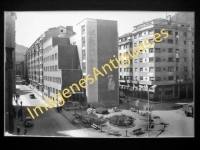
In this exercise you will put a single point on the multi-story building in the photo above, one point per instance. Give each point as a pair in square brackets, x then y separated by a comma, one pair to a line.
[61, 67]
[22, 70]
[9, 60]
[169, 64]
[96, 41]
[34, 56]
[125, 71]
[18, 68]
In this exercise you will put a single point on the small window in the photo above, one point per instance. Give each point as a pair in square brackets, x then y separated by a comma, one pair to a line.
[130, 69]
[170, 78]
[170, 59]
[141, 69]
[170, 41]
[158, 59]
[170, 69]
[120, 69]
[170, 50]
[176, 68]
[170, 32]
[158, 69]
[184, 34]
[184, 42]
[151, 59]
[141, 77]
[177, 59]
[136, 69]
[124, 69]
[61, 30]
[140, 34]
[157, 50]
[152, 78]
[150, 40]
[151, 50]
[135, 60]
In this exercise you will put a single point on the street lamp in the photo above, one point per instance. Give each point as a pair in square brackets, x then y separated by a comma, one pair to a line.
[21, 111]
[149, 87]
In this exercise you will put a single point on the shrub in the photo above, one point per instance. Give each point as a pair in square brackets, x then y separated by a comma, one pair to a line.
[101, 110]
[121, 120]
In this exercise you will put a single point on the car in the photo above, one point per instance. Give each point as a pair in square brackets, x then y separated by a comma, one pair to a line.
[188, 109]
[32, 96]
[121, 94]
[28, 122]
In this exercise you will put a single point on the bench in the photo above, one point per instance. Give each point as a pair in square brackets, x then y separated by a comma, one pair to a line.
[85, 121]
[96, 127]
[113, 132]
[138, 131]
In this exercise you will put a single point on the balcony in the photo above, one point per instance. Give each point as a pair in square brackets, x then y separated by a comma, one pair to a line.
[124, 42]
[147, 82]
[128, 81]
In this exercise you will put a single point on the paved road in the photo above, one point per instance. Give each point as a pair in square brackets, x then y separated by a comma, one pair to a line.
[50, 123]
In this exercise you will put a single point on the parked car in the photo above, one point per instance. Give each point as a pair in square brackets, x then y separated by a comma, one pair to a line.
[188, 109]
[121, 94]
[32, 96]
[28, 122]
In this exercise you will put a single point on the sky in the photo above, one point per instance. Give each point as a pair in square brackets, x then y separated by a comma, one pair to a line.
[31, 24]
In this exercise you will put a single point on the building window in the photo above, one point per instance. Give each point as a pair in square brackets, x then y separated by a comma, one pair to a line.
[184, 59]
[152, 78]
[124, 69]
[192, 42]
[185, 68]
[158, 78]
[170, 50]
[141, 59]
[192, 50]
[140, 34]
[176, 33]
[131, 78]
[170, 69]
[170, 78]
[192, 59]
[151, 59]
[124, 77]
[184, 50]
[120, 69]
[170, 41]
[135, 44]
[184, 34]
[130, 61]
[52, 57]
[141, 77]
[83, 29]
[127, 69]
[184, 42]
[135, 36]
[55, 67]
[177, 59]
[135, 60]
[151, 69]
[176, 41]
[158, 59]
[121, 78]
[170, 32]
[55, 56]
[176, 68]
[127, 77]
[136, 69]
[150, 32]
[141, 69]
[150, 40]
[158, 69]
[83, 41]
[157, 50]
[170, 59]
[135, 78]
[130, 69]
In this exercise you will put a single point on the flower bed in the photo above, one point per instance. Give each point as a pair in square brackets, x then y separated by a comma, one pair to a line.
[121, 120]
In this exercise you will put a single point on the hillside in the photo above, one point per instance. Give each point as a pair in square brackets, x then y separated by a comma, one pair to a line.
[20, 50]
[187, 17]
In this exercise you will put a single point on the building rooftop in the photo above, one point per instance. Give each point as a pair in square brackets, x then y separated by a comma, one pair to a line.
[125, 35]
[94, 19]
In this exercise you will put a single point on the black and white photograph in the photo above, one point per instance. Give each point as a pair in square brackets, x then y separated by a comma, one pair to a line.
[99, 74]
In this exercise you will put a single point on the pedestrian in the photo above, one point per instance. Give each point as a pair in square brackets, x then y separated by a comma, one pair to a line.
[25, 131]
[18, 129]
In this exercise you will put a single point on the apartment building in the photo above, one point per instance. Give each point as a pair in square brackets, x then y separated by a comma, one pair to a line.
[61, 67]
[125, 71]
[34, 55]
[169, 64]
[96, 41]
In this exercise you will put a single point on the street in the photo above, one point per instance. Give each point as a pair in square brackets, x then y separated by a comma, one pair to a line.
[50, 123]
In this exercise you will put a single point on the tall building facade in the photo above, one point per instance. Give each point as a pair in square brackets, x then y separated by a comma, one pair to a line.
[125, 71]
[34, 55]
[9, 61]
[61, 67]
[96, 42]
[169, 64]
